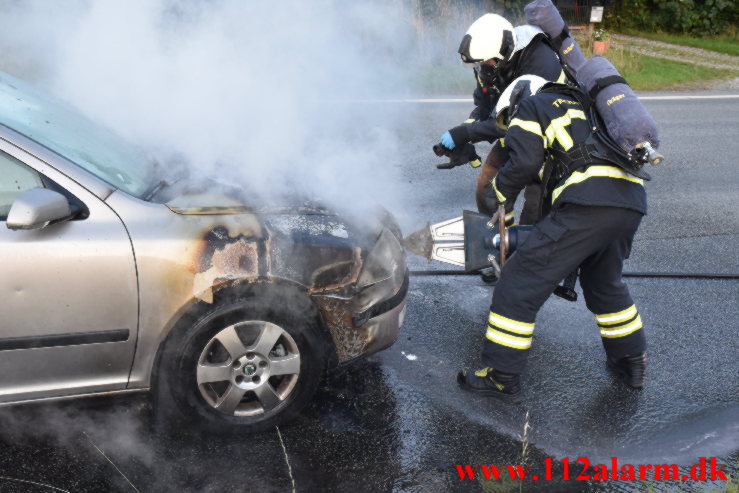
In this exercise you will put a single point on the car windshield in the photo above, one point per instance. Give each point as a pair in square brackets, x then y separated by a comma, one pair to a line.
[61, 128]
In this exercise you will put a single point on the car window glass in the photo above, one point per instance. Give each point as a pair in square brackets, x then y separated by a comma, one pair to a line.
[61, 128]
[15, 178]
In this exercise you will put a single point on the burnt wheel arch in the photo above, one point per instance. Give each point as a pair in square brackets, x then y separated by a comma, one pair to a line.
[245, 289]
[282, 303]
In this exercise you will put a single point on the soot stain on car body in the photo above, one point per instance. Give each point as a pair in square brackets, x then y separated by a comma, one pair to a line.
[225, 257]
[313, 251]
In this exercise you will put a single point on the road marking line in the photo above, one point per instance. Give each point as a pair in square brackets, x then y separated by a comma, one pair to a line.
[676, 98]
[33, 482]
[287, 459]
[111, 462]
[468, 101]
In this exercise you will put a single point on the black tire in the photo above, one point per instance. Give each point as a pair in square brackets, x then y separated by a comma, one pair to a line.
[179, 395]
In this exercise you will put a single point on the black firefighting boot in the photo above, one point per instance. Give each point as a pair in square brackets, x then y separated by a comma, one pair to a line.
[488, 276]
[631, 369]
[490, 382]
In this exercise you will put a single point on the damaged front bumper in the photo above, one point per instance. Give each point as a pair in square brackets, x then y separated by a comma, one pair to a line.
[383, 326]
[369, 319]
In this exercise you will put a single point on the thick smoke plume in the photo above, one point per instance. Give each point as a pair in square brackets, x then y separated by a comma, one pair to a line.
[260, 93]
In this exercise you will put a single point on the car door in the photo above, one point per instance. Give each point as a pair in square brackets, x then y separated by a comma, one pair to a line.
[68, 292]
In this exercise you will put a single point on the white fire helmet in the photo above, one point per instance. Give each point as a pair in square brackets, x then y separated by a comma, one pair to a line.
[520, 88]
[490, 36]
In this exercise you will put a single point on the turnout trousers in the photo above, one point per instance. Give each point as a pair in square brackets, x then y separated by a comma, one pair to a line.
[596, 239]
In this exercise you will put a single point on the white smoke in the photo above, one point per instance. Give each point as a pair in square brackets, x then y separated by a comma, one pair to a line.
[260, 92]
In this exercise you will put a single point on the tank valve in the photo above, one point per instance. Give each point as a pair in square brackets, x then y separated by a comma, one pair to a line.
[654, 157]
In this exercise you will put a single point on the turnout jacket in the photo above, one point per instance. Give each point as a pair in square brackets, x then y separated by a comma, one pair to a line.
[536, 58]
[549, 121]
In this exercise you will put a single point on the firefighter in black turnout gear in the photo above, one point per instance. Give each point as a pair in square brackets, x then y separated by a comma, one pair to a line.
[592, 209]
[499, 53]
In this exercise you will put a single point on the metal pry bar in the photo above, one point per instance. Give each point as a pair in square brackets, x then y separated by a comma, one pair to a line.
[448, 241]
[444, 241]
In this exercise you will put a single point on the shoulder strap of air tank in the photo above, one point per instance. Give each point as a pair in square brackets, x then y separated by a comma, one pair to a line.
[541, 38]
[574, 92]
[556, 41]
[601, 84]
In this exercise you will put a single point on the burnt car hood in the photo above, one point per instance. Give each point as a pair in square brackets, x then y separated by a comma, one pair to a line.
[304, 243]
[225, 203]
[308, 217]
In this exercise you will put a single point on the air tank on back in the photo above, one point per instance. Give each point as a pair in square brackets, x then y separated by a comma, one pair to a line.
[544, 14]
[627, 120]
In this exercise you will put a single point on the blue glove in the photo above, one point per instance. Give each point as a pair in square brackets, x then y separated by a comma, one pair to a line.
[447, 141]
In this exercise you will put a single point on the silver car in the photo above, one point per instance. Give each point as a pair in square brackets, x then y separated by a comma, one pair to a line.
[114, 281]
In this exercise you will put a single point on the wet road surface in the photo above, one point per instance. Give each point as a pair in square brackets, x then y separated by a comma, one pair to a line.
[397, 422]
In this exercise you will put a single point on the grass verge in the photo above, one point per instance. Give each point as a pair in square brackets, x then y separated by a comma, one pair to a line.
[728, 44]
[647, 73]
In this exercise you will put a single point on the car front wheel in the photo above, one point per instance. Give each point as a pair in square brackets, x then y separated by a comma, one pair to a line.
[243, 365]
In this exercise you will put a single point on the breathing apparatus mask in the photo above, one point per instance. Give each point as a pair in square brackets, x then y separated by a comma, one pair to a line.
[488, 75]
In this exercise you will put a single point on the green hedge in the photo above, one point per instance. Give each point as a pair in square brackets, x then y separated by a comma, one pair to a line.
[694, 17]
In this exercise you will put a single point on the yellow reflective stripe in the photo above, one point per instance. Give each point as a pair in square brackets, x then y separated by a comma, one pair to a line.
[510, 324]
[502, 142]
[507, 340]
[510, 219]
[562, 77]
[475, 163]
[595, 171]
[529, 126]
[470, 120]
[615, 329]
[541, 171]
[500, 196]
[495, 317]
[556, 128]
[622, 331]
[614, 318]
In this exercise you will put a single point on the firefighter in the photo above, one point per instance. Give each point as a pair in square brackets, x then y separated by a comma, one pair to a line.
[593, 209]
[498, 54]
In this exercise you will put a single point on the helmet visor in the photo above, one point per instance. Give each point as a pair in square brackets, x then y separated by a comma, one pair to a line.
[464, 51]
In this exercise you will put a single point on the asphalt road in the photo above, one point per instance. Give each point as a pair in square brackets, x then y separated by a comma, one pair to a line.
[397, 422]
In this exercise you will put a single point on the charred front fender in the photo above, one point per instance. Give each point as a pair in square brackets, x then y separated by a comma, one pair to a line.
[187, 255]
[353, 276]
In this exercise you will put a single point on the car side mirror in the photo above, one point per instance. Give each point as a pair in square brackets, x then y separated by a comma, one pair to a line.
[37, 208]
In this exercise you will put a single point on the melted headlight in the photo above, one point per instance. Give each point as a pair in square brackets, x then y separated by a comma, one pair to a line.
[383, 262]
[383, 272]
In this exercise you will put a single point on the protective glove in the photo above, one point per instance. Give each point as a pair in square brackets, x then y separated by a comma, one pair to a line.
[459, 135]
[447, 141]
[460, 155]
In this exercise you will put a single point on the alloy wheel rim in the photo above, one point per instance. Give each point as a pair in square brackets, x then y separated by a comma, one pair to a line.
[248, 368]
